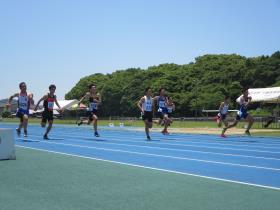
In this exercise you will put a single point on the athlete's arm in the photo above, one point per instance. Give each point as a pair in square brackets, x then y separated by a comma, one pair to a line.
[56, 102]
[42, 99]
[84, 97]
[154, 103]
[99, 98]
[221, 107]
[139, 104]
[11, 98]
[30, 96]
[249, 101]
[173, 107]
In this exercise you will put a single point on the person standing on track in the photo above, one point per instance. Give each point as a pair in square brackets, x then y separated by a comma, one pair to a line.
[145, 105]
[24, 102]
[94, 101]
[47, 115]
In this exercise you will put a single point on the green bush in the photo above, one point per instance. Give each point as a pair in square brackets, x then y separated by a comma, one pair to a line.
[6, 114]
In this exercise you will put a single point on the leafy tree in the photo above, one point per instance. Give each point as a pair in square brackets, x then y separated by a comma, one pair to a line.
[194, 86]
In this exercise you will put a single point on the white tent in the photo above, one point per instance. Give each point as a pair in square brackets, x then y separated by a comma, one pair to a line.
[268, 95]
[64, 104]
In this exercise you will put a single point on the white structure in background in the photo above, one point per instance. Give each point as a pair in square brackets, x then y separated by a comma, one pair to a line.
[64, 104]
[267, 95]
[7, 145]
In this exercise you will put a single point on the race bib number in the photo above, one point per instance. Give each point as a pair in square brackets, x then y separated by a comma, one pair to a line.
[93, 106]
[50, 105]
[148, 107]
[23, 106]
[161, 104]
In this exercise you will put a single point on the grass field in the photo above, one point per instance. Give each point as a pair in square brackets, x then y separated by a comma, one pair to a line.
[139, 123]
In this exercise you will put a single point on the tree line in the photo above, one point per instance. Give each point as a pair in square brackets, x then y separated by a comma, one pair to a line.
[198, 85]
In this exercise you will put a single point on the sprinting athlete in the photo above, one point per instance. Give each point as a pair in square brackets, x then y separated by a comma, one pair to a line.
[94, 99]
[145, 105]
[170, 108]
[222, 115]
[160, 103]
[24, 102]
[47, 115]
[242, 113]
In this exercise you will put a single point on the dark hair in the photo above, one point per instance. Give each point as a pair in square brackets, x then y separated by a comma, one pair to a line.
[245, 89]
[160, 90]
[227, 97]
[90, 86]
[22, 83]
[52, 86]
[147, 88]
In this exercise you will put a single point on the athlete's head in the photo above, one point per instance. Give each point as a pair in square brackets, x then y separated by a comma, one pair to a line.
[161, 91]
[52, 88]
[227, 99]
[22, 86]
[245, 91]
[169, 100]
[148, 91]
[92, 88]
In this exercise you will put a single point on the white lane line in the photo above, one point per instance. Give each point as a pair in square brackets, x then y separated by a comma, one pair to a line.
[164, 156]
[157, 169]
[197, 141]
[205, 141]
[185, 145]
[223, 142]
[167, 149]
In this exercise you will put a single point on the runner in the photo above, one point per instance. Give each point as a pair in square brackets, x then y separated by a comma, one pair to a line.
[94, 101]
[223, 112]
[170, 109]
[145, 105]
[160, 102]
[242, 113]
[24, 102]
[47, 115]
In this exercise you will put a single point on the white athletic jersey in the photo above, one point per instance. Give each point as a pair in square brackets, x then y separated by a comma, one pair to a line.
[241, 101]
[170, 108]
[148, 104]
[225, 109]
[23, 102]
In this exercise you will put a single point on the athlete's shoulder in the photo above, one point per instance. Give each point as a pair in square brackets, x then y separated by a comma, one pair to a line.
[30, 95]
[45, 96]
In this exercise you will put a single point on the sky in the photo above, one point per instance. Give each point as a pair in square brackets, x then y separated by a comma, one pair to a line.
[60, 41]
